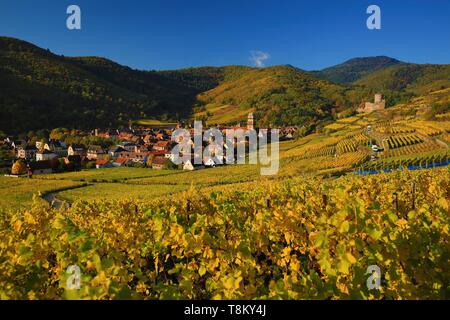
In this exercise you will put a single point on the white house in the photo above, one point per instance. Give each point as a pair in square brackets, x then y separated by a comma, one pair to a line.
[45, 155]
[76, 150]
[41, 167]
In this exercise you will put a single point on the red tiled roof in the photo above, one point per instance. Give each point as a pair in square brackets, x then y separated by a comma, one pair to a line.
[161, 144]
[101, 162]
[122, 160]
[156, 153]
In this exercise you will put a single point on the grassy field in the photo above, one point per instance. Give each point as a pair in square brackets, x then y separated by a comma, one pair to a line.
[16, 193]
[118, 191]
[155, 123]
[220, 114]
[108, 174]
[206, 177]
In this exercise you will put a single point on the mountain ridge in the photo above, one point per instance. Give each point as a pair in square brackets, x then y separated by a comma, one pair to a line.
[355, 68]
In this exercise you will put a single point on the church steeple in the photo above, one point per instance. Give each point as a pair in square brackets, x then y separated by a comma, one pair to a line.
[251, 121]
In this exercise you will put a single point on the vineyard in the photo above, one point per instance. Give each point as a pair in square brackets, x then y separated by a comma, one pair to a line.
[297, 239]
[403, 140]
[337, 205]
[429, 159]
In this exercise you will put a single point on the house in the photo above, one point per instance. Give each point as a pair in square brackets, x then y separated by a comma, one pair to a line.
[157, 154]
[159, 162]
[114, 152]
[143, 148]
[40, 167]
[106, 135]
[161, 146]
[138, 157]
[102, 163]
[95, 152]
[128, 146]
[17, 144]
[76, 150]
[29, 152]
[74, 162]
[45, 155]
[149, 138]
[121, 162]
[57, 147]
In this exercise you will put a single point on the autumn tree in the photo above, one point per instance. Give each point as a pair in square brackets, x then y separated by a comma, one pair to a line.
[19, 167]
[149, 162]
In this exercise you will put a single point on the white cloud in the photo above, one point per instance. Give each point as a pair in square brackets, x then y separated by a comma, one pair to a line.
[258, 58]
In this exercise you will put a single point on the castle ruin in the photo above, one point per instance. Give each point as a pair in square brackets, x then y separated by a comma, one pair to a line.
[378, 104]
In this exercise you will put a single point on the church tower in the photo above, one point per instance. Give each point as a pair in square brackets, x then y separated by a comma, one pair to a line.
[251, 121]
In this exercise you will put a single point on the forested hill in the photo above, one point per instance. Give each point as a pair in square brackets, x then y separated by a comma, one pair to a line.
[279, 95]
[414, 79]
[356, 68]
[42, 90]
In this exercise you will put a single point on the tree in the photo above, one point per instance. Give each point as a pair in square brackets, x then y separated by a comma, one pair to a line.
[90, 165]
[149, 162]
[169, 165]
[62, 166]
[19, 167]
[137, 165]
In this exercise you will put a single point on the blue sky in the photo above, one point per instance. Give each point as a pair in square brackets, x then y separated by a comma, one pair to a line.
[171, 34]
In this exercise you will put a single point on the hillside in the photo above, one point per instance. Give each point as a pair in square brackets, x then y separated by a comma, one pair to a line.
[415, 79]
[44, 90]
[355, 69]
[401, 83]
[279, 95]
[205, 78]
[54, 91]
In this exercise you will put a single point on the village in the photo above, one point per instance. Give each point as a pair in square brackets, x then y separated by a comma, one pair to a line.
[141, 147]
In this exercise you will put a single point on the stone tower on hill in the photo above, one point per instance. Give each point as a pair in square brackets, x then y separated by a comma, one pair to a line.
[378, 104]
